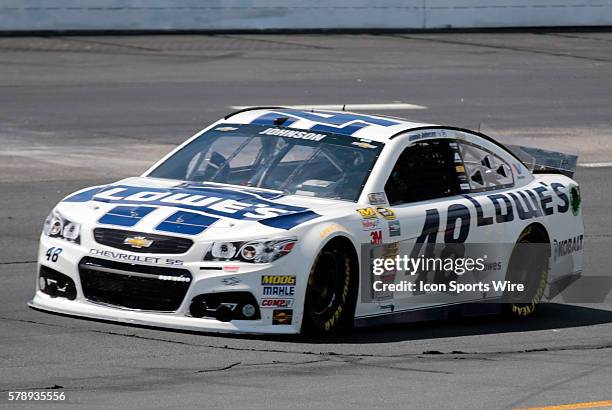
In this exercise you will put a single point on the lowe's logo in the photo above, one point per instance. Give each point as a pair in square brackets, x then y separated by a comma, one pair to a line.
[231, 204]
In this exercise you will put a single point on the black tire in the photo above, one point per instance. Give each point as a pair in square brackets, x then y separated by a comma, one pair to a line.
[528, 265]
[331, 291]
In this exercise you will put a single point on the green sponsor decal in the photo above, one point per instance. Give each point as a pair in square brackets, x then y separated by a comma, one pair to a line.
[575, 199]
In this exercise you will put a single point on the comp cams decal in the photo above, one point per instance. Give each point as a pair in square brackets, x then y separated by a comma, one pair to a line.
[276, 303]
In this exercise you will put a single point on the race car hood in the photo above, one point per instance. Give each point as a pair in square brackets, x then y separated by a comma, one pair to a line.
[175, 207]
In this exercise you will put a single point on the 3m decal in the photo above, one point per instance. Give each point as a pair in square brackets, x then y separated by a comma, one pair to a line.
[376, 237]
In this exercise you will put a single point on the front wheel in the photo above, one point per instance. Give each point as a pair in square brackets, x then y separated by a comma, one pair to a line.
[331, 291]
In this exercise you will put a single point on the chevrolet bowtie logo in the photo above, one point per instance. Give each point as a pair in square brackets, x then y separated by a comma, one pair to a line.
[138, 242]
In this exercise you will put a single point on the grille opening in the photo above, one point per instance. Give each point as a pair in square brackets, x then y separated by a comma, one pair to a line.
[160, 243]
[225, 306]
[56, 284]
[141, 287]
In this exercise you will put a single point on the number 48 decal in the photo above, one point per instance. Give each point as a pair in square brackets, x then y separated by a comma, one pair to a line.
[53, 253]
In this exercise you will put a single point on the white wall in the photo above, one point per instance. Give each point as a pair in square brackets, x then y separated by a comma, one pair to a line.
[293, 14]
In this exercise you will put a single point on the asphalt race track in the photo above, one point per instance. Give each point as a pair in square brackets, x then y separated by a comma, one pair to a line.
[79, 111]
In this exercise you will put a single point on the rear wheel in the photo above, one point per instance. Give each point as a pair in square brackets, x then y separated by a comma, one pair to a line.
[529, 265]
[331, 291]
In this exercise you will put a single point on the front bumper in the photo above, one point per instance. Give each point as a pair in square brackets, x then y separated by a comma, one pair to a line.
[207, 278]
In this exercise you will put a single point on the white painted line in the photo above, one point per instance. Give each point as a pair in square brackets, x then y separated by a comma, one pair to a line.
[347, 107]
[596, 165]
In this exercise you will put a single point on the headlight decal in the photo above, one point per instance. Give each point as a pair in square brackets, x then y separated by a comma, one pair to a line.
[57, 226]
[258, 251]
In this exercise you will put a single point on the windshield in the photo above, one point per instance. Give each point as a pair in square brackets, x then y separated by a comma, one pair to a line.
[301, 162]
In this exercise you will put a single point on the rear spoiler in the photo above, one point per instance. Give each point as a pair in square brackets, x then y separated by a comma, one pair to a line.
[542, 161]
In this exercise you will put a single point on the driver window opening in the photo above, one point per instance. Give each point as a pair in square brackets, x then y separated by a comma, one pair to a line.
[425, 170]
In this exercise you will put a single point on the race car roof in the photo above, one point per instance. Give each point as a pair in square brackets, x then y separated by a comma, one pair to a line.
[372, 127]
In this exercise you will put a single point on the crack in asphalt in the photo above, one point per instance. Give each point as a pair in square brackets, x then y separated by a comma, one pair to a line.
[268, 41]
[350, 359]
[541, 389]
[16, 262]
[499, 47]
[272, 363]
[220, 369]
[422, 355]
[587, 38]
[54, 387]
[106, 43]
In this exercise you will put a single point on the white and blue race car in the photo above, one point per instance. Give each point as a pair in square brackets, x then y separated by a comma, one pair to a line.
[271, 220]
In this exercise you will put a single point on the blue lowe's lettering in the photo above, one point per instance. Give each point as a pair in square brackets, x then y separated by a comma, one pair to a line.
[344, 123]
[227, 203]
